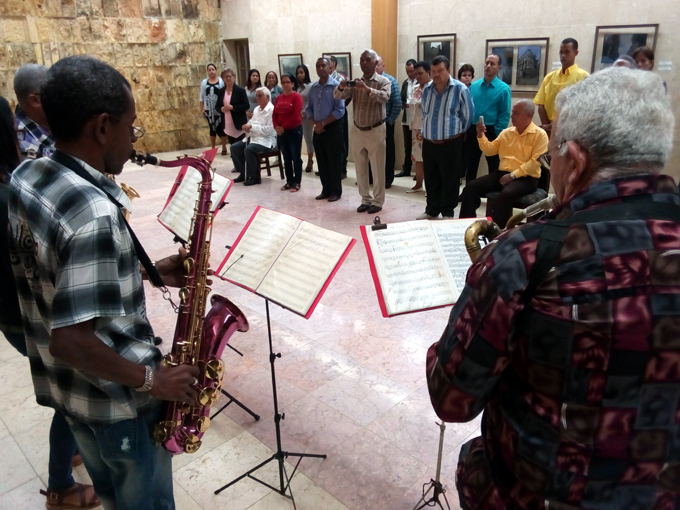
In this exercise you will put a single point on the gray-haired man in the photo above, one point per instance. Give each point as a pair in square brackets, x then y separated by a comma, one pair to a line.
[33, 131]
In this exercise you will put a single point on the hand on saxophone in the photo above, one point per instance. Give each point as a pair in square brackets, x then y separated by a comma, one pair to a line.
[176, 384]
[172, 270]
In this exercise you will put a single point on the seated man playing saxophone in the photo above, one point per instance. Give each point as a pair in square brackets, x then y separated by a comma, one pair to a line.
[519, 147]
[567, 334]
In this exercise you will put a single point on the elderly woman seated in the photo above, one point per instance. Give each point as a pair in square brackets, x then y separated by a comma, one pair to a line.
[260, 137]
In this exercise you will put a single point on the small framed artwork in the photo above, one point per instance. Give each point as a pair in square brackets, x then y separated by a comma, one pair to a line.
[430, 46]
[289, 62]
[611, 42]
[524, 62]
[344, 59]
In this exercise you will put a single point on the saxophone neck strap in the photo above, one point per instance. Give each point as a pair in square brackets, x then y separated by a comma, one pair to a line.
[70, 163]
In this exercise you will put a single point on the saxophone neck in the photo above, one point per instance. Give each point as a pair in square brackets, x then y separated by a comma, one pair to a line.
[480, 228]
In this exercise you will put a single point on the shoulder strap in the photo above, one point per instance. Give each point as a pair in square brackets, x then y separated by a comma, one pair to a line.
[71, 164]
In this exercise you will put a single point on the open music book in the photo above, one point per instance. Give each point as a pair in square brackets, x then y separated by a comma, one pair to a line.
[178, 212]
[417, 265]
[286, 260]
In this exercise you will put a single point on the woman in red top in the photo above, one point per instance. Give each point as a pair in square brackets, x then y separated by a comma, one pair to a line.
[287, 119]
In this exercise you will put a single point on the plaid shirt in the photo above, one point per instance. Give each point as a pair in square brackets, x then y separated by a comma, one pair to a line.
[34, 141]
[393, 106]
[581, 402]
[74, 260]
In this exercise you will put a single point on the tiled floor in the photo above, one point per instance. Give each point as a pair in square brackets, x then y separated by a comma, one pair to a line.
[351, 383]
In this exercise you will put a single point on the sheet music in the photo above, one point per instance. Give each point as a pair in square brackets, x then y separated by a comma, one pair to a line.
[261, 244]
[450, 235]
[304, 266]
[179, 212]
[412, 272]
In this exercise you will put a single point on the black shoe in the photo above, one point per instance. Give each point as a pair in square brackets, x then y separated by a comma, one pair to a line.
[414, 177]
[316, 173]
[334, 198]
[250, 182]
[374, 209]
[404, 173]
[234, 171]
[322, 196]
[363, 208]
[240, 178]
[388, 186]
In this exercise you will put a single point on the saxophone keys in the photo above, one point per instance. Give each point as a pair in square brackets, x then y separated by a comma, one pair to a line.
[192, 447]
[203, 423]
[188, 264]
[186, 409]
[214, 369]
[207, 395]
[159, 433]
[184, 295]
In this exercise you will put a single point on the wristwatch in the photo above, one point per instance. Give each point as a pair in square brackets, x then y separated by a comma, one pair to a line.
[148, 380]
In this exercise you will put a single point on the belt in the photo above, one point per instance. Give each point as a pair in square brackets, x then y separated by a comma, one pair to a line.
[440, 142]
[368, 128]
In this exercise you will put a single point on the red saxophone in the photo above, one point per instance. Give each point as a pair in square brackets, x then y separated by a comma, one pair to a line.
[199, 339]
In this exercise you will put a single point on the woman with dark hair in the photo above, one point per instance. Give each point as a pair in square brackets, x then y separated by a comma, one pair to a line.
[254, 83]
[287, 118]
[233, 103]
[208, 97]
[272, 83]
[304, 84]
[466, 74]
[644, 58]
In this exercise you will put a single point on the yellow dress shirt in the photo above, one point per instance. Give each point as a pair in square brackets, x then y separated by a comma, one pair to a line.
[519, 153]
[553, 83]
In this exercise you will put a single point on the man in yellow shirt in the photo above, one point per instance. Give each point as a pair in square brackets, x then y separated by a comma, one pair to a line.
[557, 80]
[519, 148]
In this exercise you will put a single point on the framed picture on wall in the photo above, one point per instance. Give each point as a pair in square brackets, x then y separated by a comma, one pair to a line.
[524, 62]
[344, 59]
[430, 46]
[289, 62]
[611, 42]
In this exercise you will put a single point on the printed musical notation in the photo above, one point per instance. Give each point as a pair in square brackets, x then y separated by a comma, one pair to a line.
[419, 264]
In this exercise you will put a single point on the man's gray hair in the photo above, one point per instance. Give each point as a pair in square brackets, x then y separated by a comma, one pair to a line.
[528, 105]
[265, 91]
[627, 61]
[372, 53]
[28, 80]
[622, 117]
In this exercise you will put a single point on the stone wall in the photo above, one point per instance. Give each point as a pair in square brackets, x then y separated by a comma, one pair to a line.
[161, 46]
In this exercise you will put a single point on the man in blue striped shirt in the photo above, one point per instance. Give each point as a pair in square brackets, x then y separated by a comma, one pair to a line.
[447, 115]
[392, 112]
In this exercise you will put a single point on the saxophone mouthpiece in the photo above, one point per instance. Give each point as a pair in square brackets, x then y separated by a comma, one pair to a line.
[143, 158]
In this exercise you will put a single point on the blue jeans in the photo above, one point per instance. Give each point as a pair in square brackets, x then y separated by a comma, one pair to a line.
[128, 470]
[62, 443]
[290, 144]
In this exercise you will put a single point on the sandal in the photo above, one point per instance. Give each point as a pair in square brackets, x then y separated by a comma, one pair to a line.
[295, 188]
[310, 166]
[224, 152]
[285, 187]
[56, 500]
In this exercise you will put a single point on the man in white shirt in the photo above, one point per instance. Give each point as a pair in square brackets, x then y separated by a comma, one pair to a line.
[406, 95]
[260, 137]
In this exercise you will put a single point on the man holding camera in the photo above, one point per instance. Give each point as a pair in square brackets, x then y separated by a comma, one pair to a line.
[369, 94]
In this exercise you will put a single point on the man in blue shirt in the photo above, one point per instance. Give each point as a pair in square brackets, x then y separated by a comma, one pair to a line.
[324, 110]
[392, 111]
[492, 101]
[447, 114]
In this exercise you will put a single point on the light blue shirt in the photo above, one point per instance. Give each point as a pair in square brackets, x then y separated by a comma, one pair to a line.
[492, 101]
[322, 103]
[447, 114]
[393, 106]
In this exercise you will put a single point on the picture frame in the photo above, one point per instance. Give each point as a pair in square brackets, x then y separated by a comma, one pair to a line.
[344, 66]
[288, 62]
[612, 41]
[524, 61]
[430, 46]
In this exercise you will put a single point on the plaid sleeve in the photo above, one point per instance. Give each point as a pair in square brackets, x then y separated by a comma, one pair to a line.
[91, 274]
[475, 348]
[394, 104]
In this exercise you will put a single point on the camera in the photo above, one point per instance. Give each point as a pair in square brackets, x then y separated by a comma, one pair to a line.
[351, 83]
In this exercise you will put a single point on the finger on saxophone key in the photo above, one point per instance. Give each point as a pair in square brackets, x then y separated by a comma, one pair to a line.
[174, 383]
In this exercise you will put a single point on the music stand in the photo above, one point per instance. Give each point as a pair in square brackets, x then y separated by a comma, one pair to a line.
[279, 455]
[234, 399]
[435, 485]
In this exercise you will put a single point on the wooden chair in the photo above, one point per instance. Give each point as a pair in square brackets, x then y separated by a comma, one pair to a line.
[263, 160]
[527, 200]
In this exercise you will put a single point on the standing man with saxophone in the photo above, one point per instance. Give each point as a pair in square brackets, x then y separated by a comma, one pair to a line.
[78, 275]
[567, 333]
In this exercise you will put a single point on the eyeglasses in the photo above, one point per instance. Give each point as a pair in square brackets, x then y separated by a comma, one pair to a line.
[556, 146]
[135, 130]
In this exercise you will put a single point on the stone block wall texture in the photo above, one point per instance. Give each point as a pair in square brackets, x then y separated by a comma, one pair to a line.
[161, 46]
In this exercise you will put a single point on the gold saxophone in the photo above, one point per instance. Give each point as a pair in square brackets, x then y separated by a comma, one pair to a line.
[199, 339]
[128, 190]
[488, 230]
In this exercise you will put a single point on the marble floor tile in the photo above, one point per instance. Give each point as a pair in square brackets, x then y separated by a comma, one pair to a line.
[24, 497]
[35, 445]
[312, 366]
[17, 472]
[19, 410]
[15, 375]
[7, 352]
[4, 431]
[401, 361]
[361, 394]
[307, 494]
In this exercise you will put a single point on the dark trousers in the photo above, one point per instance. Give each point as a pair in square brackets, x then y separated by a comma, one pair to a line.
[408, 144]
[502, 210]
[329, 153]
[389, 154]
[345, 142]
[233, 140]
[290, 143]
[472, 153]
[441, 163]
[62, 442]
[245, 158]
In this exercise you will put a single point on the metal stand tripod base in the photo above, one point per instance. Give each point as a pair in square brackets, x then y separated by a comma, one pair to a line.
[279, 455]
[235, 401]
[437, 490]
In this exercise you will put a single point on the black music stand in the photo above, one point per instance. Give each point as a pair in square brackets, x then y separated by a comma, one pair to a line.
[435, 485]
[234, 399]
[279, 455]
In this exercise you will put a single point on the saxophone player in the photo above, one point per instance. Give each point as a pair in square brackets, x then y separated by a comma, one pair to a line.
[77, 268]
[567, 335]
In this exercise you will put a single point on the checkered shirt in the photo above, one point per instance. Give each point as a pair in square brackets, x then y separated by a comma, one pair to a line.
[34, 141]
[74, 261]
[393, 106]
[581, 398]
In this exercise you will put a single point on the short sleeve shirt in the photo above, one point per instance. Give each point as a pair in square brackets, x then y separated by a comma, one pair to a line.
[553, 83]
